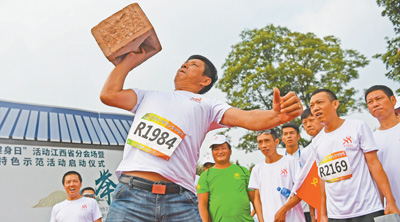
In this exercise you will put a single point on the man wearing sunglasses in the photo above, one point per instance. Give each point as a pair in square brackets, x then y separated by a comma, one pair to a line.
[272, 181]
[88, 192]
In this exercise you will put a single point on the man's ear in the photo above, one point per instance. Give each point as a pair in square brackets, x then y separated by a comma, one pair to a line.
[393, 100]
[277, 142]
[335, 104]
[206, 81]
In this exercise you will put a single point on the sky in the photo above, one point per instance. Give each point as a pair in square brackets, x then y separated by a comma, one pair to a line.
[48, 55]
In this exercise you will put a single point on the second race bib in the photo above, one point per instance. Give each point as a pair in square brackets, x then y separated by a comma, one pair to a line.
[156, 135]
[335, 167]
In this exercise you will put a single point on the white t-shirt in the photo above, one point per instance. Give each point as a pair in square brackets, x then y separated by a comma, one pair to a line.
[301, 157]
[357, 195]
[267, 178]
[83, 209]
[193, 114]
[388, 142]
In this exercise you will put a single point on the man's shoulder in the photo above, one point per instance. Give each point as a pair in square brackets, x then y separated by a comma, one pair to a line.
[352, 123]
[244, 169]
[60, 204]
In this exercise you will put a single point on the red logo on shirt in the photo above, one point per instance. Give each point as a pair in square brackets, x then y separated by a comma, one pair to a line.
[347, 141]
[284, 172]
[196, 99]
[84, 207]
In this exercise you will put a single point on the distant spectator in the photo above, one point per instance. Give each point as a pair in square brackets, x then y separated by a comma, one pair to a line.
[75, 207]
[88, 192]
[222, 189]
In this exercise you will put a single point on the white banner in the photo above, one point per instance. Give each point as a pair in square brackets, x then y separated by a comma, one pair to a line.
[31, 178]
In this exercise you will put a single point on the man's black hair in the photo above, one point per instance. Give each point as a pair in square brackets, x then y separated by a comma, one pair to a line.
[292, 125]
[87, 188]
[209, 70]
[306, 113]
[385, 89]
[331, 95]
[71, 173]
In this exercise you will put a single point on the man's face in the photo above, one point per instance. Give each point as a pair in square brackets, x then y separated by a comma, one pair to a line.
[89, 193]
[379, 104]
[191, 75]
[312, 125]
[72, 186]
[221, 153]
[290, 137]
[267, 144]
[322, 108]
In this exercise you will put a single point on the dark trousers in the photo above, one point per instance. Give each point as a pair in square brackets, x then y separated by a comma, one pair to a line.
[366, 218]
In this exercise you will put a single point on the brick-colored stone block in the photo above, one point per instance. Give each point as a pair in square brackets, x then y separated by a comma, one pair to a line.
[125, 31]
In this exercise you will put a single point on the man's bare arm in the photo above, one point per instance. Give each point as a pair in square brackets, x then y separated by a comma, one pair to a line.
[258, 205]
[113, 93]
[285, 109]
[324, 213]
[281, 213]
[203, 206]
[381, 180]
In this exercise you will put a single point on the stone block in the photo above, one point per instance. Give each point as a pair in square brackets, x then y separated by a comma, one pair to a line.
[388, 218]
[127, 30]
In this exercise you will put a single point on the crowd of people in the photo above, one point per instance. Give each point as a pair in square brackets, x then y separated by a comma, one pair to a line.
[158, 168]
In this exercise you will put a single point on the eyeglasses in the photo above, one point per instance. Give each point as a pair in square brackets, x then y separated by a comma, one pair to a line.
[268, 131]
[89, 195]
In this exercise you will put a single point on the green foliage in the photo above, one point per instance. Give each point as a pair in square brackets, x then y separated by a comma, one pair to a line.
[392, 57]
[274, 56]
[392, 11]
[199, 169]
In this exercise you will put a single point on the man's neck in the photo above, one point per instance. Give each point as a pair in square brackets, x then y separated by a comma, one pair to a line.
[292, 149]
[74, 198]
[273, 159]
[222, 165]
[333, 125]
[389, 122]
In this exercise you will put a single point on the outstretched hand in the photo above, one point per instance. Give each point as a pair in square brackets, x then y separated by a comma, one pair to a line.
[287, 107]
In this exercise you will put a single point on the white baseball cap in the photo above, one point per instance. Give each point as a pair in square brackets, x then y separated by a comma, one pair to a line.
[219, 139]
[208, 159]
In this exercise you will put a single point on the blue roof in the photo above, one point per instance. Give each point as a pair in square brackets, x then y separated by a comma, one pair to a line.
[26, 122]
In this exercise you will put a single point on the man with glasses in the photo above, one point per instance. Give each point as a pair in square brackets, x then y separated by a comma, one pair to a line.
[272, 181]
[88, 192]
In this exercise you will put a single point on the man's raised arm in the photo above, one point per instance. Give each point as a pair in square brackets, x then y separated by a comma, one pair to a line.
[113, 93]
[284, 109]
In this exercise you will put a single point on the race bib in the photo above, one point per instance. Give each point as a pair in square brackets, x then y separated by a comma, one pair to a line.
[335, 167]
[156, 135]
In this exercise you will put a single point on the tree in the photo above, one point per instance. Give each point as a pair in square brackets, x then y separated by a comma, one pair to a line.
[276, 57]
[392, 57]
